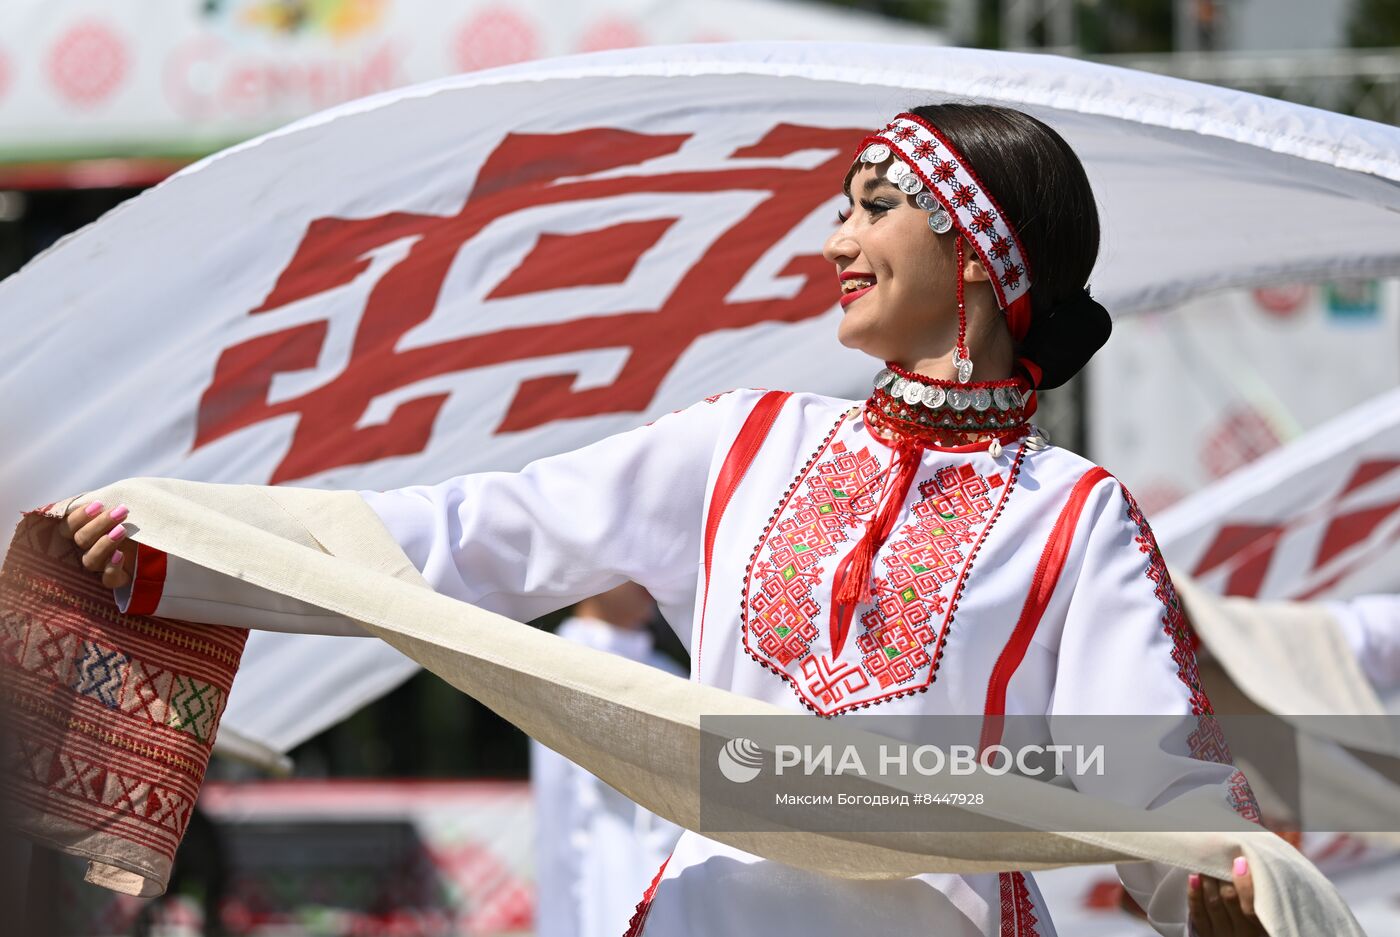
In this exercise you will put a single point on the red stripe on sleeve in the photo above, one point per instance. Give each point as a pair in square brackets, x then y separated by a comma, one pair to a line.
[150, 581]
[1047, 576]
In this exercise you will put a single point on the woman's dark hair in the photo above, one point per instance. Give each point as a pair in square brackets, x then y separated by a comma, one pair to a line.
[1044, 192]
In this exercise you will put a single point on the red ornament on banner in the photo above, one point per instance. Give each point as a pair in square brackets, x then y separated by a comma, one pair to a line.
[4, 74]
[1241, 436]
[1284, 300]
[521, 175]
[611, 33]
[1351, 520]
[88, 63]
[495, 36]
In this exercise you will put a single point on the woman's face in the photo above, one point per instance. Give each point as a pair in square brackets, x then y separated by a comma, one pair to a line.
[897, 276]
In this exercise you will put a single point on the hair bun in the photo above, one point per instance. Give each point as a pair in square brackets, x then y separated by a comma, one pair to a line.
[1063, 338]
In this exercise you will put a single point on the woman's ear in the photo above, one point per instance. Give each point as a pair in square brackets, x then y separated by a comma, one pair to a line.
[973, 271]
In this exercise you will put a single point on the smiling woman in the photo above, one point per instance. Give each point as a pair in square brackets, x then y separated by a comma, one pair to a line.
[1043, 207]
[925, 551]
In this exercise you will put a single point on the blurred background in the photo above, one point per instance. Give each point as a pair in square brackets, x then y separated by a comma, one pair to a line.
[412, 816]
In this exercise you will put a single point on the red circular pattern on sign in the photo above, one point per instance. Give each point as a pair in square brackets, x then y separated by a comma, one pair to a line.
[88, 63]
[494, 37]
[1282, 300]
[611, 33]
[4, 74]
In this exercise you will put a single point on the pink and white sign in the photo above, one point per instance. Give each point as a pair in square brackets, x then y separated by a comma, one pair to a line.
[178, 77]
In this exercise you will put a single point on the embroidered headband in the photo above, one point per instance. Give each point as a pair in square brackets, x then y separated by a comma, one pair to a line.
[928, 168]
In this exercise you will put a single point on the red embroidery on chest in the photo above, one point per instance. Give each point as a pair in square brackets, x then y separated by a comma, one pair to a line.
[920, 575]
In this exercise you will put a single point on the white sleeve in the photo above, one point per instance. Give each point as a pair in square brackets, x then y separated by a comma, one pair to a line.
[524, 543]
[1125, 650]
[1371, 624]
[190, 592]
[628, 507]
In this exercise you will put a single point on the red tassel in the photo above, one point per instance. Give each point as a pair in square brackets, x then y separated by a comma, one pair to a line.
[850, 585]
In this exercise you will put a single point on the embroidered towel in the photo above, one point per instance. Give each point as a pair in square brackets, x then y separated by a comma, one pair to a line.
[113, 717]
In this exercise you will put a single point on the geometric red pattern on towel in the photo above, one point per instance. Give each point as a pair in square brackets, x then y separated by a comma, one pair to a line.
[113, 716]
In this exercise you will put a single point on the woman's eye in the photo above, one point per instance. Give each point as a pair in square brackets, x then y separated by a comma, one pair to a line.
[871, 208]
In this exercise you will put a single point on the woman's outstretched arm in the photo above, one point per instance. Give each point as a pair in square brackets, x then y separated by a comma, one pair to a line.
[628, 507]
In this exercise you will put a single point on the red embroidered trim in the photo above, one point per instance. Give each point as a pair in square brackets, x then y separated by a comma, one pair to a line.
[982, 186]
[638, 920]
[1047, 577]
[1207, 743]
[1173, 616]
[736, 465]
[1017, 910]
[983, 213]
[812, 610]
[149, 584]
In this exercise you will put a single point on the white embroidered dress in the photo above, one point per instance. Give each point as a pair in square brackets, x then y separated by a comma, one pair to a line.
[595, 850]
[950, 587]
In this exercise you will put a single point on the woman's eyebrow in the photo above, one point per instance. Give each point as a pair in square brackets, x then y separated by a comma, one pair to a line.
[871, 184]
[877, 182]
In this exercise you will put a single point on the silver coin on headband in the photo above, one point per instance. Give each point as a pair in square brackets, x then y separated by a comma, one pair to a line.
[911, 183]
[876, 153]
[940, 221]
[897, 172]
[926, 201]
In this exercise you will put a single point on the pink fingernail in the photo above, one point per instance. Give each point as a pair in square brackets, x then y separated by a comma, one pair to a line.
[117, 558]
[117, 533]
[93, 509]
[1194, 880]
[1241, 866]
[120, 512]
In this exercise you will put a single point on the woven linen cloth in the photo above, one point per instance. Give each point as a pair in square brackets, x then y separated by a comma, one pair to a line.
[113, 717]
[638, 728]
[1291, 659]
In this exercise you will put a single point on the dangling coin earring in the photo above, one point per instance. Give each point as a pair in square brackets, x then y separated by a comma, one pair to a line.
[962, 361]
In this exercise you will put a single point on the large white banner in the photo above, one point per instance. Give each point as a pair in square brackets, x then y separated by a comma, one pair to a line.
[470, 274]
[1318, 518]
[1183, 397]
[176, 77]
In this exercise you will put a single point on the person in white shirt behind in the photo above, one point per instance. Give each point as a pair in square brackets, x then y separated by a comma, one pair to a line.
[1371, 624]
[596, 850]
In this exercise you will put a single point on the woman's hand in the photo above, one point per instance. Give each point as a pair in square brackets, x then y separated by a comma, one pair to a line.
[1224, 909]
[101, 535]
